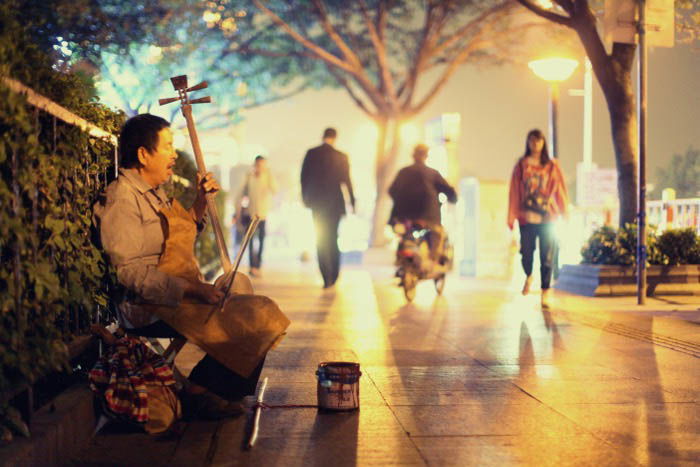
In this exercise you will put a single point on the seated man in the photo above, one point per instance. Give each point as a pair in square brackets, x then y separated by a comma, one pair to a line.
[150, 241]
[415, 192]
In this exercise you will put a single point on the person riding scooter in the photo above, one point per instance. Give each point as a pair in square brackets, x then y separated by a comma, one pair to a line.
[415, 192]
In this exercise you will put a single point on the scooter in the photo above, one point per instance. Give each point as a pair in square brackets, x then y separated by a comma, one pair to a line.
[413, 259]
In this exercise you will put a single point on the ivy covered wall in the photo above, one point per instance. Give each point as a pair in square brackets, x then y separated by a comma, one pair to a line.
[52, 277]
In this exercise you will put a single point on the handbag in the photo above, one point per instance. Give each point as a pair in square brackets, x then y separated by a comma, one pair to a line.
[243, 210]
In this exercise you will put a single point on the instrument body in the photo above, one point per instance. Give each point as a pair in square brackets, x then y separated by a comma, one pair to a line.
[246, 327]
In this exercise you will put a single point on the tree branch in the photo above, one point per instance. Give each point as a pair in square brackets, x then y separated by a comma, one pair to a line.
[474, 45]
[387, 82]
[315, 49]
[344, 82]
[271, 53]
[356, 69]
[426, 44]
[546, 14]
[469, 27]
[349, 55]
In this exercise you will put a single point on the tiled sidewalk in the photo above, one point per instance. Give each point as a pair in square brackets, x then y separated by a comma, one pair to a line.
[481, 376]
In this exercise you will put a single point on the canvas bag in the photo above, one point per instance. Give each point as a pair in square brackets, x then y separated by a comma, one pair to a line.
[164, 409]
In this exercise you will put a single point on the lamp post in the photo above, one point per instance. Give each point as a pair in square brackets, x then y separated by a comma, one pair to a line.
[553, 70]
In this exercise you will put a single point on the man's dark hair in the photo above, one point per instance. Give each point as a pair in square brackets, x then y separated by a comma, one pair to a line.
[139, 131]
[329, 133]
[259, 158]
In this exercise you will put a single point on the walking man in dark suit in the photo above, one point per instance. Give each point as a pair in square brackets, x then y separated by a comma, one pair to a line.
[324, 170]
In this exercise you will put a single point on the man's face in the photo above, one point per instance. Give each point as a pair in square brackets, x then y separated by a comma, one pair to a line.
[157, 165]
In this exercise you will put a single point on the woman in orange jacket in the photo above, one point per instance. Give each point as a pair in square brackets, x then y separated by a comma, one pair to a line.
[538, 196]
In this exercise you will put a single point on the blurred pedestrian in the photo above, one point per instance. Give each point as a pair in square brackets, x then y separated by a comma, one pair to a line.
[538, 196]
[255, 199]
[323, 172]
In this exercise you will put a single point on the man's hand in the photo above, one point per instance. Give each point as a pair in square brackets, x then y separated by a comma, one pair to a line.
[204, 292]
[205, 185]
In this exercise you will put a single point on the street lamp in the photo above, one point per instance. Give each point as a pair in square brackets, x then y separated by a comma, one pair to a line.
[553, 70]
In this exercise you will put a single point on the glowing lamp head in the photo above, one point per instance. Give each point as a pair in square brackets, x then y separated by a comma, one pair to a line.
[553, 69]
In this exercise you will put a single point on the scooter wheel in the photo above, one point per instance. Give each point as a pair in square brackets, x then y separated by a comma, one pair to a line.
[409, 286]
[440, 284]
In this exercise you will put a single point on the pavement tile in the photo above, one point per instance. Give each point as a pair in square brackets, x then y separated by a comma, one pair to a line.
[503, 395]
[627, 390]
[409, 357]
[653, 434]
[491, 418]
[304, 393]
[557, 371]
[195, 443]
[572, 450]
[307, 356]
[368, 420]
[119, 447]
[320, 450]
[443, 375]
[473, 384]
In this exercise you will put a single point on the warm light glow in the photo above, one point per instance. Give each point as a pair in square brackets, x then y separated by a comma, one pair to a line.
[410, 134]
[553, 69]
[155, 54]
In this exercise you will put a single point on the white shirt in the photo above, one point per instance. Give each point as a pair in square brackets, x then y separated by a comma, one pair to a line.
[259, 189]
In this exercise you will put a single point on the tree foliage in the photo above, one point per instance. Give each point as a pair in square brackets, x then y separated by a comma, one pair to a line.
[682, 173]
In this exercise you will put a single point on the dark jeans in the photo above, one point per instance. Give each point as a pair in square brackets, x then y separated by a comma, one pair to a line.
[528, 237]
[208, 372]
[255, 254]
[327, 245]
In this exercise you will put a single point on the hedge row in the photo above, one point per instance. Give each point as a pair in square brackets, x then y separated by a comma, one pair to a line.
[618, 247]
[52, 277]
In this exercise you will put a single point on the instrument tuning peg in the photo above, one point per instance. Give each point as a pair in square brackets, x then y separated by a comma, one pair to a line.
[168, 100]
[201, 100]
[197, 87]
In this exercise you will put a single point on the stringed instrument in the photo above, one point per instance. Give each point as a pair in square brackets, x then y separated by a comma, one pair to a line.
[231, 281]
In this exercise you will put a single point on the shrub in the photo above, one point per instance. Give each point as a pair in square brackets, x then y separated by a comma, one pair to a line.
[619, 247]
[601, 247]
[627, 245]
[679, 246]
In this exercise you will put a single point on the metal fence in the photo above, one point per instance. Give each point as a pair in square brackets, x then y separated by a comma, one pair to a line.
[678, 213]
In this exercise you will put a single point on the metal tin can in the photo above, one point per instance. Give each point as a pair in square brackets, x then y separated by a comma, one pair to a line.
[338, 386]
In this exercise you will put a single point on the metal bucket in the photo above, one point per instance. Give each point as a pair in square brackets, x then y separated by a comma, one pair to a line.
[338, 386]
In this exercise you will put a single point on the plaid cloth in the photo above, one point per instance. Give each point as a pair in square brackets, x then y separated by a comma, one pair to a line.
[121, 377]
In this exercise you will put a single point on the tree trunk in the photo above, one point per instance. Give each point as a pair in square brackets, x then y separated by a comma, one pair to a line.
[388, 145]
[623, 121]
[614, 74]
